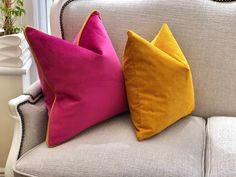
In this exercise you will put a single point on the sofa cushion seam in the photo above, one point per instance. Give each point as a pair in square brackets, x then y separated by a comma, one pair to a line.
[22, 173]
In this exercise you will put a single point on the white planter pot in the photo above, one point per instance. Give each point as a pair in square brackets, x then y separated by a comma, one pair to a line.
[14, 50]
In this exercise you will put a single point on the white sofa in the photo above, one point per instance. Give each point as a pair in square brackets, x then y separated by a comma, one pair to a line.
[203, 144]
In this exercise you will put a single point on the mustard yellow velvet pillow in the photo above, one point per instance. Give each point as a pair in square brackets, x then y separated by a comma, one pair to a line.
[158, 82]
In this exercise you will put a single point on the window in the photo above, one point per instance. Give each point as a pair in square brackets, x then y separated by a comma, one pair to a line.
[41, 10]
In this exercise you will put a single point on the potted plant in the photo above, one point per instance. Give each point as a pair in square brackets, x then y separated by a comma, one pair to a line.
[13, 46]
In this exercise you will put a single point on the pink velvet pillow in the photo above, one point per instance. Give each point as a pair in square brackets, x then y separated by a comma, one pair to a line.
[83, 83]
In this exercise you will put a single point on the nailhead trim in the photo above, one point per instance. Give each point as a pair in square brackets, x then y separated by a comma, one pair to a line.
[61, 16]
[224, 0]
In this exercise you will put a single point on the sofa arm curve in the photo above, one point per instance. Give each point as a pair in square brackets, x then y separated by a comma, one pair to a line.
[30, 115]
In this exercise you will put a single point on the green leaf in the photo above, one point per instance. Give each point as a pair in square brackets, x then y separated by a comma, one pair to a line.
[23, 11]
[10, 14]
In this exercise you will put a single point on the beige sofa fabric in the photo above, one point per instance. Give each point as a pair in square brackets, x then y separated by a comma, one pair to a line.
[205, 30]
[221, 147]
[34, 118]
[111, 150]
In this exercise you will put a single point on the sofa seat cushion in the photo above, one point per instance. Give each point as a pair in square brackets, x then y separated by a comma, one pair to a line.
[110, 149]
[221, 147]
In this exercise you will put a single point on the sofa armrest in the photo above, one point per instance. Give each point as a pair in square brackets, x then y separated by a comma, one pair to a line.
[30, 116]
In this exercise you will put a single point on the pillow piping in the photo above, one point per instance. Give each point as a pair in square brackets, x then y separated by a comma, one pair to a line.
[84, 25]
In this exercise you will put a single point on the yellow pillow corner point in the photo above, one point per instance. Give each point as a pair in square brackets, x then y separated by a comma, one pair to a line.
[166, 26]
[159, 87]
[129, 32]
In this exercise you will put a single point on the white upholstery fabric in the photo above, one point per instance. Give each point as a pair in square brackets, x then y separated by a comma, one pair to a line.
[205, 30]
[34, 90]
[111, 150]
[221, 147]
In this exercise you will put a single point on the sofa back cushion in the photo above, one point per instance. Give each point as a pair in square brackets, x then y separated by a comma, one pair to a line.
[205, 30]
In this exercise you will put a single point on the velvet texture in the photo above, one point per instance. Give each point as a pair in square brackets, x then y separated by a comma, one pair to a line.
[83, 83]
[158, 82]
